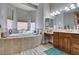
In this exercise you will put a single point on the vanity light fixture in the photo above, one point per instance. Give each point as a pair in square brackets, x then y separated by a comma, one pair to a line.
[53, 14]
[61, 10]
[67, 8]
[57, 12]
[72, 6]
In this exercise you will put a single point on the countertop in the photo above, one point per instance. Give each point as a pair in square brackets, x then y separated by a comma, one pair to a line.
[65, 31]
[48, 33]
[69, 31]
[19, 37]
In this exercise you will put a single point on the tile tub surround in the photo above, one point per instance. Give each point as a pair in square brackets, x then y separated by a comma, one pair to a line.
[14, 45]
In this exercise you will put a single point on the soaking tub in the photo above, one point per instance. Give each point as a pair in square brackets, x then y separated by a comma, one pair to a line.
[17, 43]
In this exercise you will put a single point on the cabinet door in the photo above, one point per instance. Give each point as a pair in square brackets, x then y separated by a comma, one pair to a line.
[56, 39]
[64, 42]
[75, 45]
[64, 45]
[61, 43]
[69, 45]
[75, 48]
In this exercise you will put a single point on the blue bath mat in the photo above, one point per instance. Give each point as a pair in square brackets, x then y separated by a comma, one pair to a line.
[54, 51]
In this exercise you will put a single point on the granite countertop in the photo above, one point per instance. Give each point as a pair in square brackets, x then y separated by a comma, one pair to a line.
[69, 31]
[65, 31]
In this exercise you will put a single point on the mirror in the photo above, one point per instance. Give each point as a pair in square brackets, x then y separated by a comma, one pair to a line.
[69, 20]
[48, 22]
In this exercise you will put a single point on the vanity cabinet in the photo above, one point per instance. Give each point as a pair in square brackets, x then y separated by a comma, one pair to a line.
[68, 42]
[64, 42]
[56, 40]
[75, 44]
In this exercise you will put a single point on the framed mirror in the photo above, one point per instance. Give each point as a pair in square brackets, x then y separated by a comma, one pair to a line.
[48, 22]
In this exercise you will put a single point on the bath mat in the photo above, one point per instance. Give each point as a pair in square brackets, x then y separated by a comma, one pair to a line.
[54, 51]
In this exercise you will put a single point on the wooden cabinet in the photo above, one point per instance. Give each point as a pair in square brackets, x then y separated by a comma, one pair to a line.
[64, 42]
[75, 48]
[68, 42]
[56, 40]
[75, 44]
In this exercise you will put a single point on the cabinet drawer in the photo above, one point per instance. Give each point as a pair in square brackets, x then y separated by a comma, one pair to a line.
[74, 48]
[76, 36]
[75, 51]
[74, 45]
[74, 40]
[55, 36]
[67, 35]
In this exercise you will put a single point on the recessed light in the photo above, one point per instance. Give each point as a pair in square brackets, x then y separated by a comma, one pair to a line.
[66, 8]
[72, 6]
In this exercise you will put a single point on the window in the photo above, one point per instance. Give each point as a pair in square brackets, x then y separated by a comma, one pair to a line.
[22, 25]
[32, 26]
[9, 24]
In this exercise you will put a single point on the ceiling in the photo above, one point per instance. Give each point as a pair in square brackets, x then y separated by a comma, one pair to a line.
[24, 11]
[35, 4]
[26, 6]
[22, 14]
[58, 6]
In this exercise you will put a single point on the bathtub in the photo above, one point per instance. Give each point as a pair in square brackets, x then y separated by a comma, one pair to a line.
[17, 43]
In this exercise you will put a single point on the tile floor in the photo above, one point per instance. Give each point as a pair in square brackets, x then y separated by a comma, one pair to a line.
[37, 51]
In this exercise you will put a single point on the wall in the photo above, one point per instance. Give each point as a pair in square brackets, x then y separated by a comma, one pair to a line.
[40, 17]
[46, 10]
[3, 17]
[43, 12]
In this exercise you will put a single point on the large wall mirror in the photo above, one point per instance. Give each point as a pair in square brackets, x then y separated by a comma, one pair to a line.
[71, 20]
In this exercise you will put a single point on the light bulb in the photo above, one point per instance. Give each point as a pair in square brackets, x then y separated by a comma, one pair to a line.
[66, 8]
[72, 6]
[57, 12]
